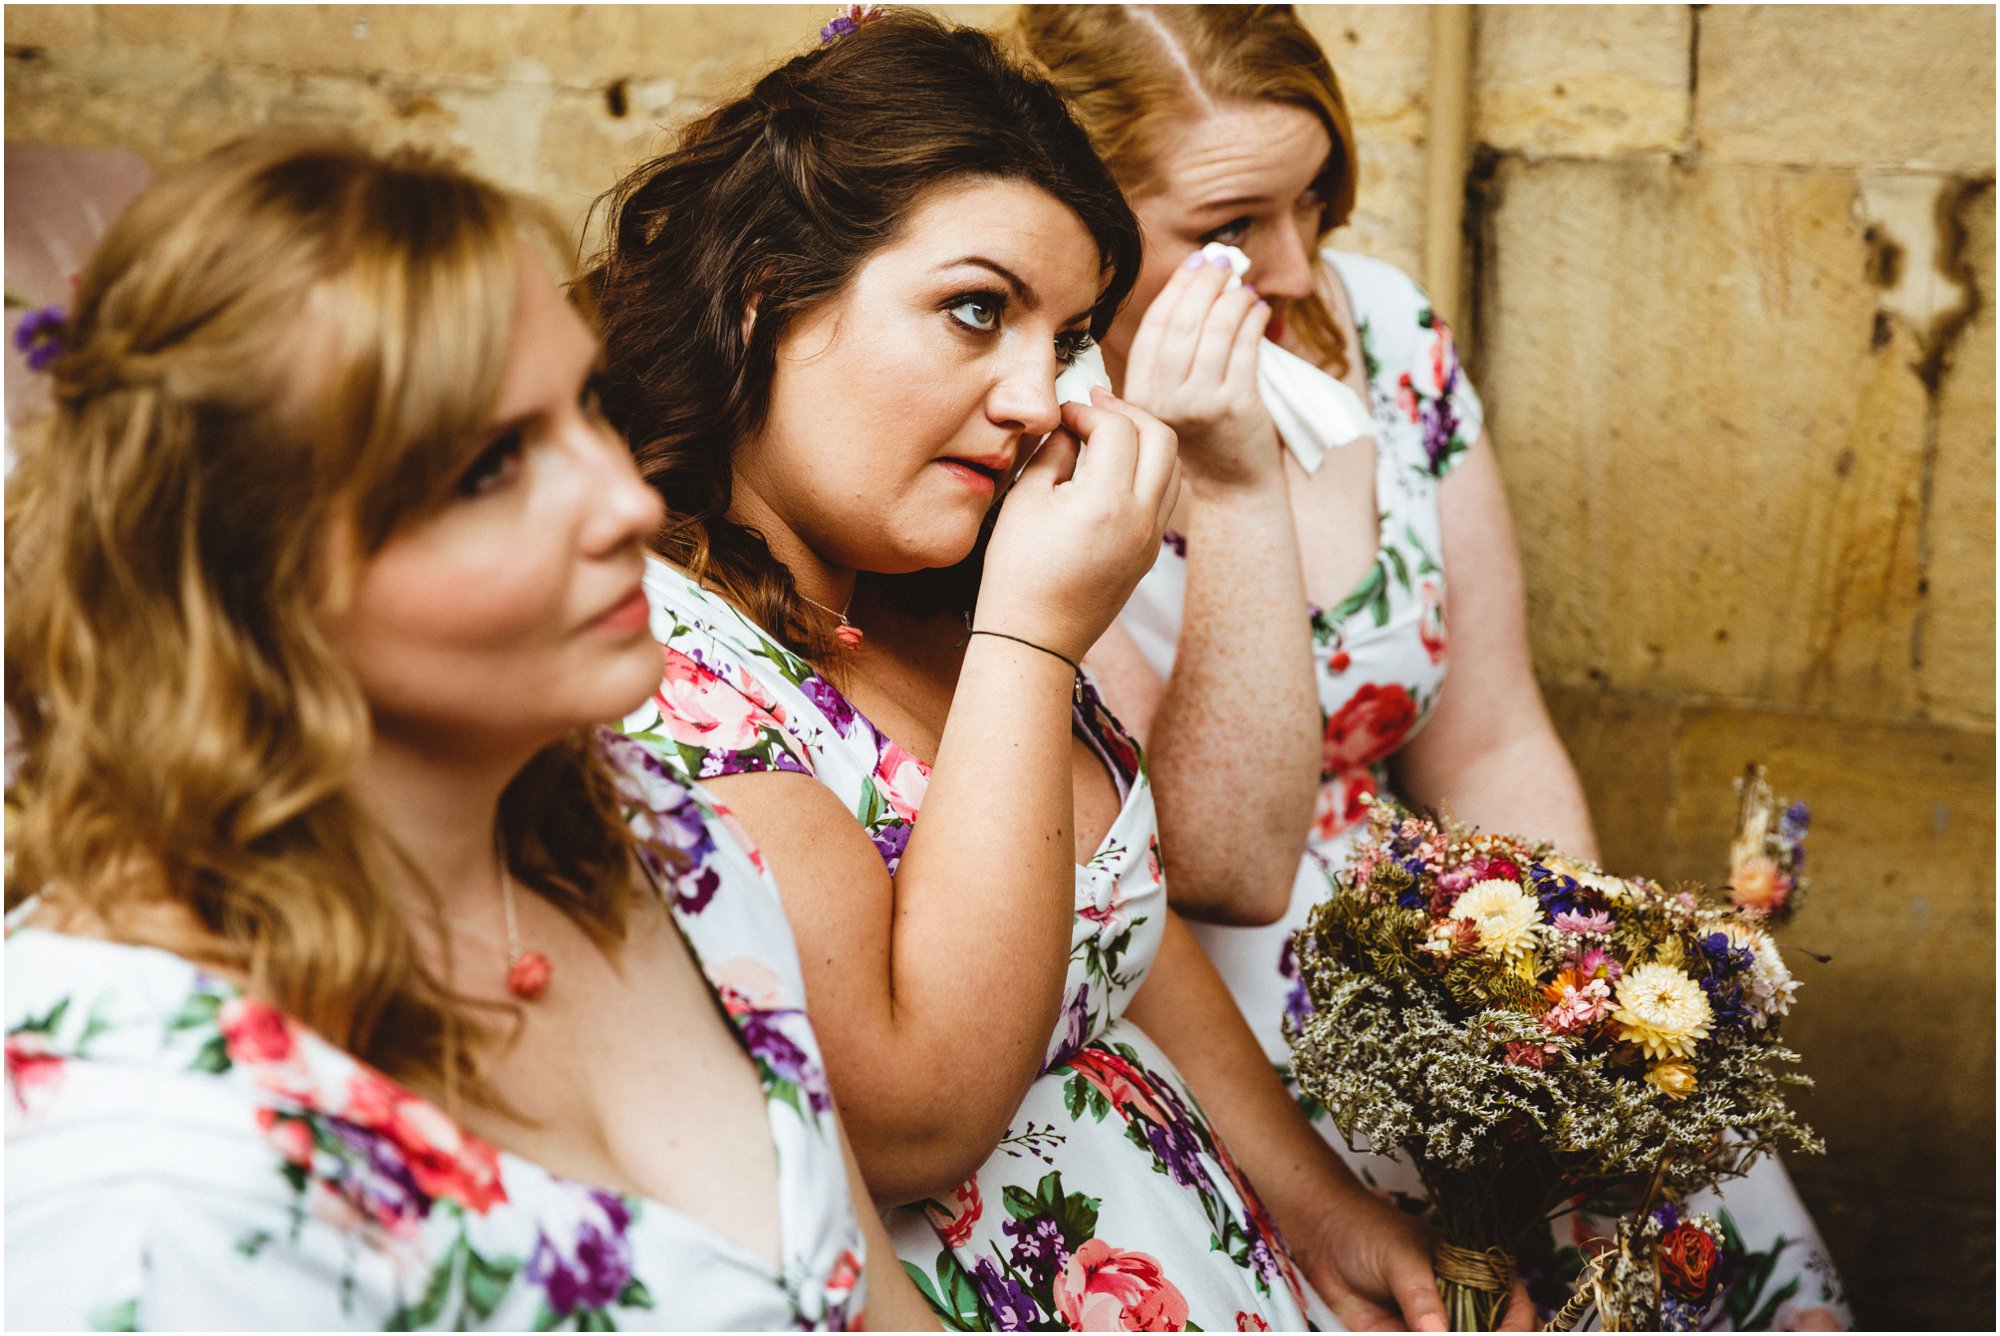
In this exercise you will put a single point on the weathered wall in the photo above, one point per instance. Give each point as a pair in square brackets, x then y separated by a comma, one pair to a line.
[1733, 317]
[1732, 277]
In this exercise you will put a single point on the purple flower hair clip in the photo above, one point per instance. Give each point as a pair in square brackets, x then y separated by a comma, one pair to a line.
[851, 18]
[39, 336]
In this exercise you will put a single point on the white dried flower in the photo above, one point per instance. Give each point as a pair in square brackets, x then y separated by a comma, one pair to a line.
[1508, 918]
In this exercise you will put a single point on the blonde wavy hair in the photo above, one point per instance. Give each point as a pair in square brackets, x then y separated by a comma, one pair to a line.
[1133, 73]
[283, 340]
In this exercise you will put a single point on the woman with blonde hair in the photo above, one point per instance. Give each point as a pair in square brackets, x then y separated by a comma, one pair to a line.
[1226, 124]
[354, 978]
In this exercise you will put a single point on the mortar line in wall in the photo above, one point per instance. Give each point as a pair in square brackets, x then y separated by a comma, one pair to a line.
[1537, 158]
[1750, 704]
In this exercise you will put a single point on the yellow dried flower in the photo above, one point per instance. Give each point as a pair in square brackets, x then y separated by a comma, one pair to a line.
[1662, 1010]
[1675, 1079]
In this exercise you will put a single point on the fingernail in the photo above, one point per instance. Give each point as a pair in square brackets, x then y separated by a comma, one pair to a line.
[1194, 260]
[1219, 261]
[1263, 305]
[1250, 288]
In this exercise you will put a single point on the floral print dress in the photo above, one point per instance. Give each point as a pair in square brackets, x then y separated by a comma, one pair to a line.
[1110, 1203]
[1380, 659]
[183, 1156]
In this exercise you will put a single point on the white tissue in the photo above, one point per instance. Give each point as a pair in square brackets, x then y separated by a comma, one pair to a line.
[1313, 412]
[1083, 375]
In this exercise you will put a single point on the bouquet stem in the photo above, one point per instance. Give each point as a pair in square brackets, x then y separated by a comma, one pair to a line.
[1474, 1284]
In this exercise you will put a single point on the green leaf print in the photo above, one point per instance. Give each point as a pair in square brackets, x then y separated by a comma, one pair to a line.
[198, 1012]
[954, 1299]
[1083, 1095]
[872, 809]
[45, 1024]
[1427, 563]
[595, 1319]
[427, 1308]
[635, 1295]
[1374, 589]
[116, 1317]
[486, 1282]
[1752, 1271]
[1402, 567]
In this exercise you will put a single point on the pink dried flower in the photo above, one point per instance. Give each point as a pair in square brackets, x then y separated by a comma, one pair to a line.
[1597, 963]
[1529, 1055]
[1595, 921]
[1580, 1003]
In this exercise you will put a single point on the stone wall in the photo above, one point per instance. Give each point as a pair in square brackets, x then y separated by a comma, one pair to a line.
[1731, 276]
[1732, 312]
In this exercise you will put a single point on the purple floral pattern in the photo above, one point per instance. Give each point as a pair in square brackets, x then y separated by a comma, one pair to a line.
[1157, 1209]
[1381, 655]
[376, 1207]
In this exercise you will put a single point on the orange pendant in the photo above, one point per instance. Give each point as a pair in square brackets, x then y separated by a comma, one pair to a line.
[848, 635]
[528, 977]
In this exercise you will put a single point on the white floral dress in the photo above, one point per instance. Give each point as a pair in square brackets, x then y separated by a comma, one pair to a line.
[1110, 1203]
[1380, 659]
[181, 1156]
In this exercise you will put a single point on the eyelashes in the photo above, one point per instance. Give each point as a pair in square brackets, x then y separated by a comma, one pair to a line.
[982, 313]
[497, 463]
[492, 466]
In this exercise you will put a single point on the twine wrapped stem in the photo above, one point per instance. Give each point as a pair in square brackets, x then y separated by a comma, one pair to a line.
[1474, 1282]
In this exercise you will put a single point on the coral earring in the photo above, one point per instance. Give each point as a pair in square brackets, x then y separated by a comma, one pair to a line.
[528, 977]
[848, 634]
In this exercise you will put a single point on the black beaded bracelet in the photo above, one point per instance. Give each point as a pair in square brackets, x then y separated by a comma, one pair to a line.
[1032, 645]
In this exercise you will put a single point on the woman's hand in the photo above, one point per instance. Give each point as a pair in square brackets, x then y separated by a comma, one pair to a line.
[1193, 364]
[1372, 1265]
[1080, 526]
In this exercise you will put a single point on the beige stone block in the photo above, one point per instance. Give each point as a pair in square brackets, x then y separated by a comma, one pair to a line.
[1898, 1028]
[1859, 86]
[1717, 473]
[1381, 56]
[47, 28]
[1955, 636]
[1623, 748]
[1582, 80]
[1388, 218]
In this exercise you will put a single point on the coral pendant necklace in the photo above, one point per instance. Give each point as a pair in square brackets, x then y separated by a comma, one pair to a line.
[847, 632]
[528, 972]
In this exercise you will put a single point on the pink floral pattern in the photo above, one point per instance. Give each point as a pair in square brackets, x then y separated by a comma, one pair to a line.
[343, 1197]
[1110, 1200]
[1382, 655]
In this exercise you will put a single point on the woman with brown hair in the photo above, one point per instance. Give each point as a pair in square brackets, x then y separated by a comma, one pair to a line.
[1226, 124]
[340, 992]
[835, 318]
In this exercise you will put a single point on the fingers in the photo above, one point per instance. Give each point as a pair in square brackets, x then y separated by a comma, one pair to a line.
[1055, 462]
[1520, 1311]
[1113, 458]
[1170, 497]
[1158, 450]
[1248, 345]
[1415, 1286]
[1219, 334]
[1164, 347]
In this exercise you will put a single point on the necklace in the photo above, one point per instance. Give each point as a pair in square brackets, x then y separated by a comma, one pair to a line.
[847, 632]
[528, 972]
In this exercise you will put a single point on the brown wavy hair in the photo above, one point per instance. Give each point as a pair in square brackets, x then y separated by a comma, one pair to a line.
[777, 197]
[285, 337]
[1133, 73]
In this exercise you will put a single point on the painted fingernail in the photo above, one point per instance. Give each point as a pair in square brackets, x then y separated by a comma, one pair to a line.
[1250, 288]
[1218, 261]
[1194, 260]
[1263, 305]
